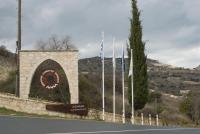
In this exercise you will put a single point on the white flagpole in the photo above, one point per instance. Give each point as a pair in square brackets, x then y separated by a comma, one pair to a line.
[114, 66]
[133, 118]
[123, 112]
[103, 101]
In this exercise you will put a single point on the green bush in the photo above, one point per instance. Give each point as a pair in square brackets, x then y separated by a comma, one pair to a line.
[88, 93]
[4, 52]
[185, 106]
[8, 86]
[153, 96]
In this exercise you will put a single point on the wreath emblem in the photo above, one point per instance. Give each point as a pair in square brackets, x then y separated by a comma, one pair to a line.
[49, 79]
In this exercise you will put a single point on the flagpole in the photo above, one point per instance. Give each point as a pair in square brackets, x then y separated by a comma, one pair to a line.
[103, 96]
[123, 112]
[133, 118]
[114, 65]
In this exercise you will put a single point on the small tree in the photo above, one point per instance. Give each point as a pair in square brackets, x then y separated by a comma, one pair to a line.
[139, 60]
[41, 45]
[4, 52]
[66, 43]
[55, 43]
[191, 106]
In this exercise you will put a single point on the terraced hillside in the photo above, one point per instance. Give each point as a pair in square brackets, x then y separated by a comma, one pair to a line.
[162, 77]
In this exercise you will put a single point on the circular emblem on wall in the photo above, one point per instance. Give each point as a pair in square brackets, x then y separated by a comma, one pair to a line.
[49, 79]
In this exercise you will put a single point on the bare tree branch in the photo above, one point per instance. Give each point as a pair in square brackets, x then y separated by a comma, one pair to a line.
[41, 45]
[55, 43]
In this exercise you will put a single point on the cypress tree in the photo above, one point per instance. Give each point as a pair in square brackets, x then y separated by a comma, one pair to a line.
[140, 75]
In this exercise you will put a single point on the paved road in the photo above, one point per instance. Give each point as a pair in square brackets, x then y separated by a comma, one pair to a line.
[23, 125]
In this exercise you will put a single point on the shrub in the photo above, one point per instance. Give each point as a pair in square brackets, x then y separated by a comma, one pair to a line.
[88, 93]
[191, 106]
[153, 96]
[185, 106]
[4, 52]
[8, 86]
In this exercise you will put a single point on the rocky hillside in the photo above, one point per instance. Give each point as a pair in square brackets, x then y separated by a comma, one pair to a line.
[162, 77]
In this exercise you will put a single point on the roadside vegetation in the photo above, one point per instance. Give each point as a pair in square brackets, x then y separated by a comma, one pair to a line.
[190, 106]
[5, 111]
[8, 85]
[8, 112]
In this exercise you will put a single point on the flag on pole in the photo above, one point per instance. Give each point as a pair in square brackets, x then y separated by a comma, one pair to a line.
[102, 60]
[131, 66]
[114, 67]
[123, 70]
[102, 52]
[132, 91]
[128, 44]
[123, 61]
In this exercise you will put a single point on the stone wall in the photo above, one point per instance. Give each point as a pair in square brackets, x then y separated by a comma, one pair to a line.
[30, 60]
[39, 107]
[27, 106]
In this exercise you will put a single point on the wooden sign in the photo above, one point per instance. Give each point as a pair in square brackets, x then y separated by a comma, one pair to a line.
[78, 109]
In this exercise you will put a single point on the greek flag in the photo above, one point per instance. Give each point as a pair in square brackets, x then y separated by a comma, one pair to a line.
[123, 61]
[102, 52]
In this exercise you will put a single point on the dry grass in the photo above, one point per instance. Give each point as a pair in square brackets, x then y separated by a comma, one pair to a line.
[170, 114]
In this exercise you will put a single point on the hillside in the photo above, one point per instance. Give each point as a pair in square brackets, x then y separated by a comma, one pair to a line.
[162, 77]
[165, 79]
[7, 70]
[7, 63]
[167, 82]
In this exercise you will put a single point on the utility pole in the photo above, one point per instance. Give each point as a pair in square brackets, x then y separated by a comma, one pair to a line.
[19, 24]
[18, 44]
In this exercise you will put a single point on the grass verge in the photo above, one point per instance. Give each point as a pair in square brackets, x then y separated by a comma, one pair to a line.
[5, 111]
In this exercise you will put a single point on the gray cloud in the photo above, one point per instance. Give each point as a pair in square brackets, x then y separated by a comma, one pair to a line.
[171, 28]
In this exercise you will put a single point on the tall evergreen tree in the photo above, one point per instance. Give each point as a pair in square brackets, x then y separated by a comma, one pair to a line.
[140, 75]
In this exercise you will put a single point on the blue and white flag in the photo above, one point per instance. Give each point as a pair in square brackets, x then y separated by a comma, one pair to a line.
[102, 51]
[123, 61]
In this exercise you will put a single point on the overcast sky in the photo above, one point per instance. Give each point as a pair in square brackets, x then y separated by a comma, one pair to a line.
[171, 28]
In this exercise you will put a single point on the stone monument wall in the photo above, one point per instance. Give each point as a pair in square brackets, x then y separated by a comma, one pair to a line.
[30, 60]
